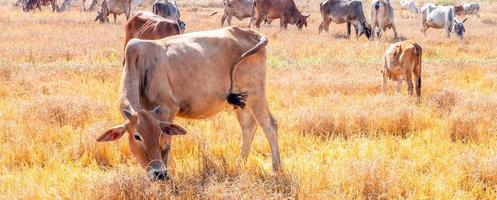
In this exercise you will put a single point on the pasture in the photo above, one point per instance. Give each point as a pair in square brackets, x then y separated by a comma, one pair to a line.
[340, 138]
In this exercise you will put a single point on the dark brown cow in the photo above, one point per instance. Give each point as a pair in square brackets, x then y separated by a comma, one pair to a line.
[149, 26]
[285, 10]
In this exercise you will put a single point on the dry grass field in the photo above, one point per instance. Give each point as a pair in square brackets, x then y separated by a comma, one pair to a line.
[340, 138]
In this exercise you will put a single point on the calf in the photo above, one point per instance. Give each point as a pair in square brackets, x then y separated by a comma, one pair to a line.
[169, 10]
[468, 9]
[344, 11]
[285, 10]
[439, 17]
[403, 59]
[115, 7]
[409, 6]
[147, 25]
[382, 16]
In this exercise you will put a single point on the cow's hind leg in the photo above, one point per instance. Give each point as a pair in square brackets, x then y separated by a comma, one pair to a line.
[348, 28]
[260, 108]
[417, 78]
[409, 82]
[248, 124]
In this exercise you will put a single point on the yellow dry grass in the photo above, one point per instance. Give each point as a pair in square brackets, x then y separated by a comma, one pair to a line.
[340, 138]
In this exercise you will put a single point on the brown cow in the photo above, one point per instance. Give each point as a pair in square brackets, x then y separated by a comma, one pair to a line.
[147, 25]
[403, 59]
[285, 10]
[192, 76]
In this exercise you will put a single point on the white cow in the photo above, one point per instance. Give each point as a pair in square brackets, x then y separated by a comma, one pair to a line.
[409, 6]
[442, 17]
[382, 16]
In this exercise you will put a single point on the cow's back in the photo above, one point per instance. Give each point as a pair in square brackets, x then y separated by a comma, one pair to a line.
[197, 65]
[146, 25]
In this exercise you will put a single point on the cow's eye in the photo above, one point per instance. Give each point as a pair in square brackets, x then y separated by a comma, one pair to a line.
[137, 137]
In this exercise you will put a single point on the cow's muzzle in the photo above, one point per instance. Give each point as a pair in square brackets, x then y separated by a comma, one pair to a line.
[157, 171]
[159, 175]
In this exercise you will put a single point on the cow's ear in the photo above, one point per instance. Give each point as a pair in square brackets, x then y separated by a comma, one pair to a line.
[464, 20]
[171, 129]
[112, 134]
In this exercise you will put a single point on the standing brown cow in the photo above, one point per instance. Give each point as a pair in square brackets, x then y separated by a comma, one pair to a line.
[285, 10]
[149, 26]
[403, 59]
[193, 75]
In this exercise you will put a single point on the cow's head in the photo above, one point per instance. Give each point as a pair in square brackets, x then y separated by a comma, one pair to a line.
[302, 21]
[101, 17]
[459, 28]
[149, 140]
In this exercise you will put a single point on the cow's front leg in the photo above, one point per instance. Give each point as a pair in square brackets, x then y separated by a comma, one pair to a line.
[228, 20]
[259, 21]
[223, 18]
[283, 24]
[384, 85]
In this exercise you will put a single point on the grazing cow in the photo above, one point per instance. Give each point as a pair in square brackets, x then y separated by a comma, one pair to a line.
[33, 4]
[285, 10]
[169, 10]
[116, 7]
[439, 17]
[382, 17]
[468, 9]
[344, 11]
[410, 7]
[147, 25]
[192, 76]
[403, 59]
[240, 9]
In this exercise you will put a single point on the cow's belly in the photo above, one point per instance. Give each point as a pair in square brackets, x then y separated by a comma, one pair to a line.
[338, 19]
[435, 25]
[201, 108]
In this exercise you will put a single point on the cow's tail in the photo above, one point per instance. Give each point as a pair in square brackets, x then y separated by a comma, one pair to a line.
[238, 99]
[214, 13]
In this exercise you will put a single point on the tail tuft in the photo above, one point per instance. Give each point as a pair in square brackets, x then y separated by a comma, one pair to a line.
[237, 99]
